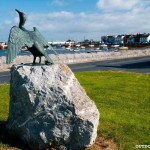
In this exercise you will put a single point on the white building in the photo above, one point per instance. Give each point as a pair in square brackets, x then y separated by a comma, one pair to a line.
[120, 39]
[145, 38]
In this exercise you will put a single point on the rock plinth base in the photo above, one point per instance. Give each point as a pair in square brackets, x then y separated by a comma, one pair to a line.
[49, 108]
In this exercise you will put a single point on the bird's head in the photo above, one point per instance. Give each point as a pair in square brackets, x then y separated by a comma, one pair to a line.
[22, 17]
[20, 13]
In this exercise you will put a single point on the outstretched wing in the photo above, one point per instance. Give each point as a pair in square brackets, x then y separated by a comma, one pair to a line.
[17, 39]
[41, 39]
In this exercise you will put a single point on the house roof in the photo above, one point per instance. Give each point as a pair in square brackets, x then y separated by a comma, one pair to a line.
[145, 35]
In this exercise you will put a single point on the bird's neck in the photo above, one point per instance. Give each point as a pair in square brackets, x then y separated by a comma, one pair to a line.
[22, 21]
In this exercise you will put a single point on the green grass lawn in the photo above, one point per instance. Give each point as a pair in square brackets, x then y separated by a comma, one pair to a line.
[122, 99]
[4, 101]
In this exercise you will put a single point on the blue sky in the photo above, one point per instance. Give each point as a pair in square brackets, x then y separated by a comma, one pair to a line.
[59, 20]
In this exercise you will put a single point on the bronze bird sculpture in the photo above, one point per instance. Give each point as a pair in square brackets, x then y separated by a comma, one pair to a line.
[33, 40]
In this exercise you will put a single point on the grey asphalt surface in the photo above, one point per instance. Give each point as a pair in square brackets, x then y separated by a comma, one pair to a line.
[139, 65]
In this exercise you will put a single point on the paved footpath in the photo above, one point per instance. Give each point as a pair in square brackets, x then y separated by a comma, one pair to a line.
[138, 64]
[79, 57]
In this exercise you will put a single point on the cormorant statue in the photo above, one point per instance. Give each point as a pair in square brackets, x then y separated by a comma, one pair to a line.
[33, 40]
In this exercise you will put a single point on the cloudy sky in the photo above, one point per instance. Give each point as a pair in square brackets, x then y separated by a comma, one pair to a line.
[59, 20]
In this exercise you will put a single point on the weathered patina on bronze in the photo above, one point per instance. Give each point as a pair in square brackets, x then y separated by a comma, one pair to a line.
[33, 40]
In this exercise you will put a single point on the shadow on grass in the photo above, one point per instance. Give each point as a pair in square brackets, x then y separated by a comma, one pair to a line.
[10, 141]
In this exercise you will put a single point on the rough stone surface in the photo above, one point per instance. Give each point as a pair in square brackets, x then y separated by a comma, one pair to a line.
[49, 108]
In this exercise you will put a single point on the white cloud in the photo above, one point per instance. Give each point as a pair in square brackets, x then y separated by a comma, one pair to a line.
[7, 22]
[57, 2]
[63, 25]
[116, 4]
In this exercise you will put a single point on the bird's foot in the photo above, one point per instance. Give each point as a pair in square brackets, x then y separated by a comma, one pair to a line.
[48, 63]
[33, 63]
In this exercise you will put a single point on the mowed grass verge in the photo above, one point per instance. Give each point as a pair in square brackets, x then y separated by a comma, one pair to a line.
[122, 99]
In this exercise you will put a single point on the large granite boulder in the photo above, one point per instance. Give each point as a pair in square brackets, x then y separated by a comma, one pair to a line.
[49, 108]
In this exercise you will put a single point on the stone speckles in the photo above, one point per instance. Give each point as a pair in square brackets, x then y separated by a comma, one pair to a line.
[49, 107]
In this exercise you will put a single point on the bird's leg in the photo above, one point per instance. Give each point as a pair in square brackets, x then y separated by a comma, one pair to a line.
[39, 59]
[34, 59]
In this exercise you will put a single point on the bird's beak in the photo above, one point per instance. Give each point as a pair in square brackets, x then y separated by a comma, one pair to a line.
[17, 10]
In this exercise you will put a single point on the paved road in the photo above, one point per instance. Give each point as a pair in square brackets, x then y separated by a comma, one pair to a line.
[140, 65]
[4, 77]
